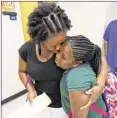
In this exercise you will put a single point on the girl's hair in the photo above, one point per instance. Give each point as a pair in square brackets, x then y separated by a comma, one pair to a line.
[86, 51]
[46, 20]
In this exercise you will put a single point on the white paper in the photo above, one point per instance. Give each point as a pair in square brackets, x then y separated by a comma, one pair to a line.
[30, 111]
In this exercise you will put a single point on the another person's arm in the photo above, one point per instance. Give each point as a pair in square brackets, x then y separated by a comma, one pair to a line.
[106, 39]
[105, 47]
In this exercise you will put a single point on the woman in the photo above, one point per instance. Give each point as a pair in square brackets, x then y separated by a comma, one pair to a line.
[47, 26]
[82, 59]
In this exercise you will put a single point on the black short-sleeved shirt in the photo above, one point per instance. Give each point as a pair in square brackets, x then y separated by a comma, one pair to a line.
[46, 74]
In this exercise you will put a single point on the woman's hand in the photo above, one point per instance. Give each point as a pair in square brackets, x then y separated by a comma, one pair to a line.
[95, 92]
[31, 95]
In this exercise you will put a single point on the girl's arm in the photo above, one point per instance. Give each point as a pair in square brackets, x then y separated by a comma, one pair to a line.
[77, 100]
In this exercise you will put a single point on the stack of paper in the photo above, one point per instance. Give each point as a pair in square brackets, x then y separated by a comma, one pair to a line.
[30, 111]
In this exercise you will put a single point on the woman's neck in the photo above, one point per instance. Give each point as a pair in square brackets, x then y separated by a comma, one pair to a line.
[45, 54]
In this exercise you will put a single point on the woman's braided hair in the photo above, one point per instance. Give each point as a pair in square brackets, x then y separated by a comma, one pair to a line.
[46, 20]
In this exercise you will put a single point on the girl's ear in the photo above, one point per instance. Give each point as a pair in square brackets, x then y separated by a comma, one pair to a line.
[76, 64]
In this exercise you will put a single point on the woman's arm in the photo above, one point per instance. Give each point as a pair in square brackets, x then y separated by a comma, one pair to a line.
[97, 90]
[101, 79]
[77, 100]
[22, 74]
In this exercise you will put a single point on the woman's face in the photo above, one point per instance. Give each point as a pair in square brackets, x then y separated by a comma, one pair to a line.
[64, 57]
[53, 43]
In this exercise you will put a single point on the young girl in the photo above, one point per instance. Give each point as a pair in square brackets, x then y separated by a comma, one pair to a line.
[82, 59]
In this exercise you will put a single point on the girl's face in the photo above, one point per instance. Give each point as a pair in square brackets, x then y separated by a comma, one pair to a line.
[64, 57]
[53, 43]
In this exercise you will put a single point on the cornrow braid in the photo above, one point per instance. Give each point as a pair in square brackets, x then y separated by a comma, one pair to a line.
[46, 20]
[86, 51]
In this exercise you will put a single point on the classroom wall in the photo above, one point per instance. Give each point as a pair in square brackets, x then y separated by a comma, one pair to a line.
[26, 8]
[111, 13]
[14, 34]
[88, 18]
[12, 39]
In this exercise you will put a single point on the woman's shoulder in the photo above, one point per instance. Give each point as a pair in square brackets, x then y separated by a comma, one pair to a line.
[25, 50]
[27, 44]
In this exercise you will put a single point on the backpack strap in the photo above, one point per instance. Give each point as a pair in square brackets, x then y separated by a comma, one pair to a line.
[99, 110]
[94, 107]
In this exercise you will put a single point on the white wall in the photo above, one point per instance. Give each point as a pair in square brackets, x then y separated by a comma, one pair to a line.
[111, 12]
[88, 18]
[110, 15]
[12, 39]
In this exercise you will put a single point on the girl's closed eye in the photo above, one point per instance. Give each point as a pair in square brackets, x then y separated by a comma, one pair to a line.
[63, 57]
